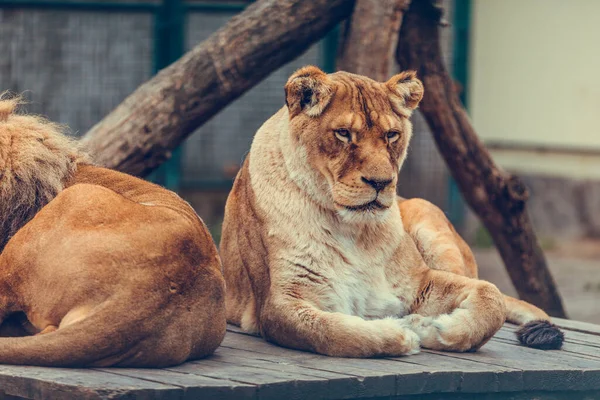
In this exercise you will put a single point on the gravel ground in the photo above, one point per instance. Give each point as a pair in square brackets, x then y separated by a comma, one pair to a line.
[578, 280]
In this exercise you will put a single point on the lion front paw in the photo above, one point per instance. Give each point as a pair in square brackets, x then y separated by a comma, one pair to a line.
[413, 342]
[427, 329]
[395, 338]
[416, 322]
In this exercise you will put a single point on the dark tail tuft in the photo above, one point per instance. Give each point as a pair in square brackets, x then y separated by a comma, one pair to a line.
[541, 334]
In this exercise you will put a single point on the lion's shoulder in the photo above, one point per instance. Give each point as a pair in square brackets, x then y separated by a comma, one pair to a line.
[436, 238]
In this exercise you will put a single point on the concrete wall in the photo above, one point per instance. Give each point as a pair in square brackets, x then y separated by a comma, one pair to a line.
[535, 96]
[535, 82]
[535, 70]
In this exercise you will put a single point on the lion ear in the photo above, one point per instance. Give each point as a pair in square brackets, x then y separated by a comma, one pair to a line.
[406, 92]
[308, 90]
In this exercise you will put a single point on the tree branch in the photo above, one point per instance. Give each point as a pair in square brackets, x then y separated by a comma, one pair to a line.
[371, 38]
[498, 198]
[143, 130]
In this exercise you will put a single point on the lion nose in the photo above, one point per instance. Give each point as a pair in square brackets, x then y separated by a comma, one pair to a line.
[377, 184]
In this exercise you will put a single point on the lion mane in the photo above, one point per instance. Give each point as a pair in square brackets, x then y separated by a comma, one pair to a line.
[37, 159]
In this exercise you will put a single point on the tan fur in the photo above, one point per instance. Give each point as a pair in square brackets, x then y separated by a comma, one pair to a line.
[45, 159]
[315, 251]
[443, 249]
[109, 270]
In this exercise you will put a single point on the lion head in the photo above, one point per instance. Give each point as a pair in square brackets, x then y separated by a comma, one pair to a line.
[36, 161]
[354, 132]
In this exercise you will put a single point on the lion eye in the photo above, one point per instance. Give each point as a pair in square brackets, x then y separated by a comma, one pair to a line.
[343, 135]
[392, 136]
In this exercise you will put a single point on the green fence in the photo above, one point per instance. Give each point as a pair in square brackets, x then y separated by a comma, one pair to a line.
[161, 31]
[170, 38]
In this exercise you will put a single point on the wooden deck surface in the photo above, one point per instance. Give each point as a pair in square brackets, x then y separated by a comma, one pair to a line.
[247, 367]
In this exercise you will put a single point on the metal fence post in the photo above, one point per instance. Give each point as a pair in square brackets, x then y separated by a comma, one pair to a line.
[169, 45]
[329, 49]
[460, 61]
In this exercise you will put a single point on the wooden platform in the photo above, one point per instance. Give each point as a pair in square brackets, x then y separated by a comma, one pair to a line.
[247, 367]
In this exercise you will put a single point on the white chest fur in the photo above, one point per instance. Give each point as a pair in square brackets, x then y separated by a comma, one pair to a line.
[336, 275]
[335, 267]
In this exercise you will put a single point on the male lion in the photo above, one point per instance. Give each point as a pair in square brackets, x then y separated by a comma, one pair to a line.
[320, 255]
[108, 269]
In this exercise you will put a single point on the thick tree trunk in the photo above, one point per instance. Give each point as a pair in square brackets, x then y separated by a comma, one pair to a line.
[371, 37]
[141, 132]
[497, 197]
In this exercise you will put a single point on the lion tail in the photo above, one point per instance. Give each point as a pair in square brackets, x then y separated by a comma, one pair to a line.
[536, 330]
[92, 341]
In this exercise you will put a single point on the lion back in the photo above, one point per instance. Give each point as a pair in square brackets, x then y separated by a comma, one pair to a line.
[244, 255]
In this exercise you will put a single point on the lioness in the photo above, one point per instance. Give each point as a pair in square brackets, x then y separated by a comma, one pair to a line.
[108, 269]
[320, 255]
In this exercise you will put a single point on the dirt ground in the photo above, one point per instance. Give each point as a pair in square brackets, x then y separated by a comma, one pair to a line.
[576, 270]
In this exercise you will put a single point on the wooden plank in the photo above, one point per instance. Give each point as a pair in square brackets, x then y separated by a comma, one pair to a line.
[373, 380]
[406, 377]
[431, 372]
[572, 347]
[577, 326]
[62, 383]
[570, 336]
[593, 341]
[458, 374]
[341, 385]
[359, 366]
[250, 368]
[554, 358]
[338, 386]
[528, 395]
[271, 384]
[541, 371]
[511, 378]
[474, 376]
[193, 386]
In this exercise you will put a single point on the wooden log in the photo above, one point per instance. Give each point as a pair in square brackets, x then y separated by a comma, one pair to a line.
[371, 37]
[143, 130]
[498, 198]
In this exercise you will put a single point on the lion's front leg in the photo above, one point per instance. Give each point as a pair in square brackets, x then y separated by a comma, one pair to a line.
[295, 323]
[455, 313]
